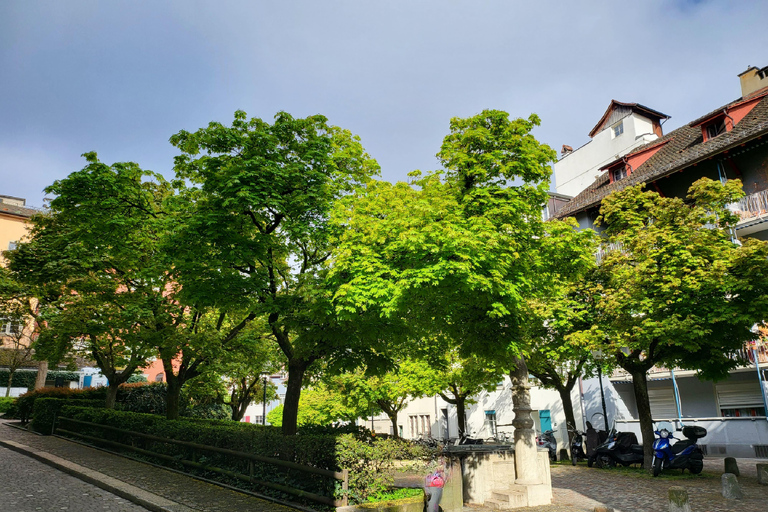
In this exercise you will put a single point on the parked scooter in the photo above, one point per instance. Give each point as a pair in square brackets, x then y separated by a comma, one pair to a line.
[547, 440]
[619, 448]
[684, 454]
[577, 445]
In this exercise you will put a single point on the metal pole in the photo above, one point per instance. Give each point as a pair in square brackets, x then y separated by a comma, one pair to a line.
[677, 398]
[760, 380]
[264, 403]
[602, 396]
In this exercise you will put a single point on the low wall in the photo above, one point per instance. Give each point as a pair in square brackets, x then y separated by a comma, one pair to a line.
[415, 504]
[731, 437]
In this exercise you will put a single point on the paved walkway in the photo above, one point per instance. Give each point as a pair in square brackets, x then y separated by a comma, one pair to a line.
[27, 485]
[169, 491]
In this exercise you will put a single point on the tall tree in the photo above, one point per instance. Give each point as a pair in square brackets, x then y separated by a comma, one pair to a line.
[258, 235]
[18, 309]
[677, 291]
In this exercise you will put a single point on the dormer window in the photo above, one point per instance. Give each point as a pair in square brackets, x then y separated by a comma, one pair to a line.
[619, 173]
[716, 128]
[618, 129]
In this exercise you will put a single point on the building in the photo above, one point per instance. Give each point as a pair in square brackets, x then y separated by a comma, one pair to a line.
[729, 142]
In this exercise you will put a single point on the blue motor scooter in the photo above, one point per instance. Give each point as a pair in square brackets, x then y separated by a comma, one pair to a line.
[684, 454]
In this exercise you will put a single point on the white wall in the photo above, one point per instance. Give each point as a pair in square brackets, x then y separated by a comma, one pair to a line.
[578, 170]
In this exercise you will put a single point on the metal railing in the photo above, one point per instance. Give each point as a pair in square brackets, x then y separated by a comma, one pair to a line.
[744, 354]
[751, 206]
[195, 462]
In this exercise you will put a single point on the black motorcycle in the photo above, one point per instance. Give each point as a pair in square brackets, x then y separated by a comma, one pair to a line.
[547, 440]
[577, 445]
[619, 448]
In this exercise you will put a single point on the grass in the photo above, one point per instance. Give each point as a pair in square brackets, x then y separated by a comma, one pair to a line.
[395, 494]
[638, 472]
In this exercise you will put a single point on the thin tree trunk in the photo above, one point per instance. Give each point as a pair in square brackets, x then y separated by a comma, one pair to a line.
[570, 417]
[42, 374]
[111, 394]
[461, 416]
[640, 385]
[172, 397]
[10, 381]
[296, 370]
[393, 419]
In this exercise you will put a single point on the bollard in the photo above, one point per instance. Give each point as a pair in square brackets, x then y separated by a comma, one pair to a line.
[731, 487]
[564, 454]
[731, 466]
[762, 474]
[678, 500]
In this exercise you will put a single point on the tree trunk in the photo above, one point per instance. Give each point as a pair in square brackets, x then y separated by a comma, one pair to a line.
[172, 397]
[42, 374]
[461, 416]
[393, 419]
[10, 381]
[640, 385]
[296, 370]
[570, 418]
[111, 394]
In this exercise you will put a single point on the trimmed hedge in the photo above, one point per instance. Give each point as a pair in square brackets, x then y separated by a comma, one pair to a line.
[24, 406]
[47, 409]
[6, 402]
[370, 460]
[26, 378]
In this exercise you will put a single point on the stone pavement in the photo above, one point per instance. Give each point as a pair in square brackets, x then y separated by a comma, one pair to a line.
[27, 485]
[184, 493]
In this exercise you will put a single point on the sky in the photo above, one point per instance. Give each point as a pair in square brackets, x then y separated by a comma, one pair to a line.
[120, 77]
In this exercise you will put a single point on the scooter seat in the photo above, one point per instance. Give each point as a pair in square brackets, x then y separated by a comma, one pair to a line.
[636, 448]
[682, 445]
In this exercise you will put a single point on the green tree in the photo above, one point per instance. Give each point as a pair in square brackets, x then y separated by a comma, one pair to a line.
[676, 291]
[258, 234]
[556, 356]
[18, 309]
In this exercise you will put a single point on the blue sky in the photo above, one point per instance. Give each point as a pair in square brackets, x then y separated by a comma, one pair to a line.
[120, 77]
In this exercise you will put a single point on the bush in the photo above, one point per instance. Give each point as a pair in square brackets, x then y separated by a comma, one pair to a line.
[136, 377]
[25, 403]
[142, 397]
[47, 409]
[370, 461]
[26, 378]
[6, 403]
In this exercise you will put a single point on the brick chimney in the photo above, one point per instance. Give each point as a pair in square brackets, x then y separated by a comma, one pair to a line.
[752, 80]
[567, 150]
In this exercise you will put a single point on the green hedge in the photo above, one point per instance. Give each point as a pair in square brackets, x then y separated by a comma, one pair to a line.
[46, 410]
[6, 402]
[370, 460]
[26, 378]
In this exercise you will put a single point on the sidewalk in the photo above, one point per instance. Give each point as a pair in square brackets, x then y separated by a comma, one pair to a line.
[151, 487]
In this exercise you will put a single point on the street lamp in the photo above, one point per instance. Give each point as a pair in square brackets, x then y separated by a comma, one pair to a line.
[598, 356]
[264, 400]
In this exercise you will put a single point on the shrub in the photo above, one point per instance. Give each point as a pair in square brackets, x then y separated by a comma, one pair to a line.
[142, 397]
[47, 409]
[6, 402]
[370, 461]
[26, 378]
[136, 377]
[25, 403]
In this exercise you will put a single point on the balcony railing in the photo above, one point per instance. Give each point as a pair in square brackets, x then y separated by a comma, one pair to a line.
[751, 206]
[745, 354]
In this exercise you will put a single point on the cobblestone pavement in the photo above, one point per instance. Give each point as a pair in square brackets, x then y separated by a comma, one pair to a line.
[27, 485]
[193, 493]
[633, 490]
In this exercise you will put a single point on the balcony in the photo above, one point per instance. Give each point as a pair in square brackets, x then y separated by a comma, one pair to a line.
[752, 211]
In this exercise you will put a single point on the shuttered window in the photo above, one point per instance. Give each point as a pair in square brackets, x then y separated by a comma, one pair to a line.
[739, 394]
[663, 405]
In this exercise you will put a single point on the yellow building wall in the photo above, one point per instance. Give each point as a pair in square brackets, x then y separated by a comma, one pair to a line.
[12, 229]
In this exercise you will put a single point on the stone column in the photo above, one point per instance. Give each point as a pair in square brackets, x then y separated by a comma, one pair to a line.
[526, 451]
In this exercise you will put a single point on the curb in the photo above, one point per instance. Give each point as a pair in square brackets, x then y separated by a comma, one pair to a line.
[127, 491]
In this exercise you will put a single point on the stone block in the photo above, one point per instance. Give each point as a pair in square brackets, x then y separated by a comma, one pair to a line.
[731, 466]
[602, 508]
[731, 487]
[762, 474]
[678, 500]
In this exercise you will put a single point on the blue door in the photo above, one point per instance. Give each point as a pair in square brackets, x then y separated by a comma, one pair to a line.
[87, 381]
[545, 420]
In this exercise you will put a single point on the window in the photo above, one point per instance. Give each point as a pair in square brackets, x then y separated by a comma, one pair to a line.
[9, 327]
[420, 425]
[11, 246]
[619, 173]
[490, 422]
[715, 129]
[618, 129]
[159, 377]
